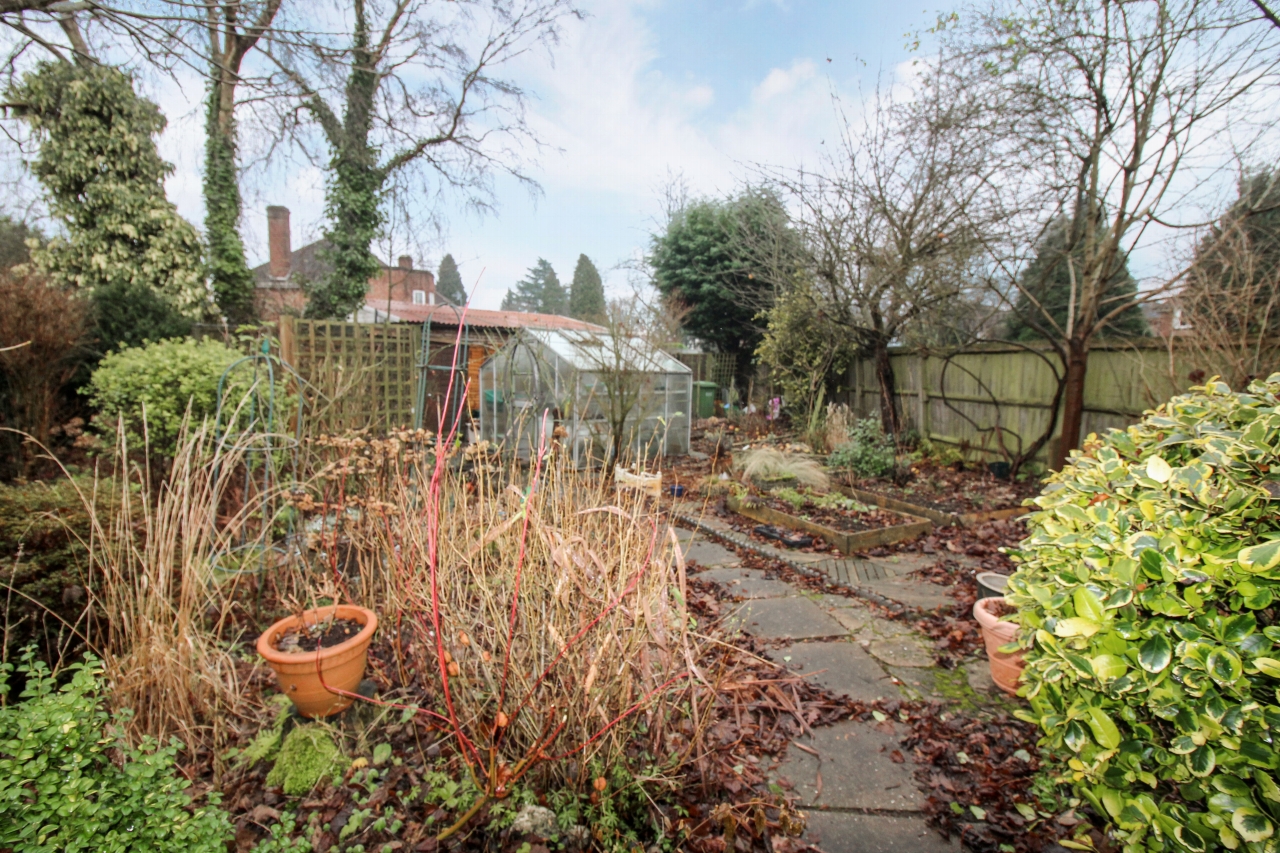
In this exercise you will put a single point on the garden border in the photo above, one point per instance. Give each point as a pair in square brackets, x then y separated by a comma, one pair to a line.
[847, 543]
[937, 516]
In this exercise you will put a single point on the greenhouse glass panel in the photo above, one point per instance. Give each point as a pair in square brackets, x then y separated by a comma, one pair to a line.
[595, 388]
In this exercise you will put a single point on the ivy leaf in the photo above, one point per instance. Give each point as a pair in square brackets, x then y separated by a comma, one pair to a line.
[1251, 824]
[1224, 666]
[1076, 627]
[1158, 469]
[1268, 666]
[1108, 667]
[1087, 604]
[1202, 761]
[1260, 558]
[1075, 736]
[1104, 730]
[1155, 654]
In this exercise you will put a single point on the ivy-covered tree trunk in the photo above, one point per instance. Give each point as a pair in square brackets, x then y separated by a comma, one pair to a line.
[230, 40]
[353, 197]
[233, 284]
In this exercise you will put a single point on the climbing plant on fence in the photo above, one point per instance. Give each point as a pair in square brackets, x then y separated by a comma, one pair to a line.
[1149, 598]
[360, 374]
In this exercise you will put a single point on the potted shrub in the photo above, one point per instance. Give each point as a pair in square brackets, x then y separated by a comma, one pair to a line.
[1006, 667]
[320, 649]
[1147, 595]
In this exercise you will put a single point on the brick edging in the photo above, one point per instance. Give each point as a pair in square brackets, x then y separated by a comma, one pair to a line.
[739, 541]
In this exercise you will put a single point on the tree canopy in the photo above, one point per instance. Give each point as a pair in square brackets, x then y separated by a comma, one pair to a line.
[1051, 288]
[586, 292]
[14, 235]
[105, 182]
[449, 281]
[709, 259]
[539, 292]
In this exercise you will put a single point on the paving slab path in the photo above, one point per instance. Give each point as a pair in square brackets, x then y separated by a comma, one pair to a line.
[852, 778]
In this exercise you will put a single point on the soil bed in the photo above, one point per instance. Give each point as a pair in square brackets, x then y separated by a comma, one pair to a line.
[967, 493]
[844, 520]
[322, 635]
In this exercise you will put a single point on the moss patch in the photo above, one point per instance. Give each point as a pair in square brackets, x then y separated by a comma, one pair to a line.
[307, 755]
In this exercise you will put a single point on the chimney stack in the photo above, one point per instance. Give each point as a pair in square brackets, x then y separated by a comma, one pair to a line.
[278, 240]
[406, 262]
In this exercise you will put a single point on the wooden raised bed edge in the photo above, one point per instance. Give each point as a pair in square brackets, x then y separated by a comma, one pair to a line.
[942, 519]
[847, 543]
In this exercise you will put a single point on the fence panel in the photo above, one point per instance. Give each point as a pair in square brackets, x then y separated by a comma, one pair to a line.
[361, 374]
[992, 393]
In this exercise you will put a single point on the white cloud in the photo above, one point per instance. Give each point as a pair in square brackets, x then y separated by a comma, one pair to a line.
[700, 96]
[784, 81]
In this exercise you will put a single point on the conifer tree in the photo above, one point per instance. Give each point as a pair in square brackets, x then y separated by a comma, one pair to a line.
[449, 281]
[539, 292]
[586, 292]
[1048, 279]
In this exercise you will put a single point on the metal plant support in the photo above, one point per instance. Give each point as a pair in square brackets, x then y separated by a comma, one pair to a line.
[249, 420]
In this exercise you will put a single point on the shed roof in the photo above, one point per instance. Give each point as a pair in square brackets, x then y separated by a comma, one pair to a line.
[583, 350]
[447, 315]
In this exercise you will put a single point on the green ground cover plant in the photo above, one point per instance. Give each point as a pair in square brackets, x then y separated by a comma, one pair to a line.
[68, 782]
[1149, 595]
[869, 452]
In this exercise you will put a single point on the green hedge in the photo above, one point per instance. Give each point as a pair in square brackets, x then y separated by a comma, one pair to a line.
[1149, 592]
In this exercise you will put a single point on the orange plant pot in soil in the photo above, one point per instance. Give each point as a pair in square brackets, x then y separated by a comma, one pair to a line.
[342, 665]
[1006, 669]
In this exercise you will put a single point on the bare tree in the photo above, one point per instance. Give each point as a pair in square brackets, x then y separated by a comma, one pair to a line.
[404, 88]
[1230, 304]
[1108, 113]
[891, 224]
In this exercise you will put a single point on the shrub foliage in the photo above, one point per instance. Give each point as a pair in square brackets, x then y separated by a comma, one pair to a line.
[869, 452]
[68, 784]
[162, 378]
[1149, 595]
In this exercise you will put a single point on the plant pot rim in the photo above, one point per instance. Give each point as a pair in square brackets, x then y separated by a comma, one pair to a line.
[990, 621]
[367, 617]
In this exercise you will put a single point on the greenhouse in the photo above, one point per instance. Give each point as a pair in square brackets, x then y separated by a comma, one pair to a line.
[593, 387]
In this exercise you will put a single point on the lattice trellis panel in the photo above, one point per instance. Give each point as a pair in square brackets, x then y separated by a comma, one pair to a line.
[362, 375]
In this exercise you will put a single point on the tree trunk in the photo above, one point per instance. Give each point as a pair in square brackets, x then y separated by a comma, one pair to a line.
[890, 416]
[1073, 401]
[233, 285]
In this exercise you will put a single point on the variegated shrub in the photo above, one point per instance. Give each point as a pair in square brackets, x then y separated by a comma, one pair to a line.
[1149, 595]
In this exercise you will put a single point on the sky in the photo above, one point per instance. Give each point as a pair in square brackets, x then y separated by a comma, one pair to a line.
[639, 91]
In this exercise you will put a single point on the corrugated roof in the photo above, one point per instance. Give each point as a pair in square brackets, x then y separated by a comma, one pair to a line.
[447, 315]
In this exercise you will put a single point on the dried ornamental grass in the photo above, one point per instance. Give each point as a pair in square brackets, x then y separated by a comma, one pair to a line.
[542, 611]
[767, 464]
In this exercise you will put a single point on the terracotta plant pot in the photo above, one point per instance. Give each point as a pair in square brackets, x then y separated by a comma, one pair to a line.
[299, 673]
[1006, 669]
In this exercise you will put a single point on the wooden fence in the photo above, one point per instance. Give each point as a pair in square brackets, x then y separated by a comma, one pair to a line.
[990, 392]
[360, 374]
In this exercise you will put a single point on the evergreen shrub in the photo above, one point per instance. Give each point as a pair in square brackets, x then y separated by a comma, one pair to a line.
[1149, 598]
[68, 783]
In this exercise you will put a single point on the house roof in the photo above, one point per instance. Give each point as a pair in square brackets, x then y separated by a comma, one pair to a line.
[447, 315]
[305, 264]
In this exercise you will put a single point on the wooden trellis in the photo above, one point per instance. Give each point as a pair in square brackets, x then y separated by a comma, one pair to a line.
[360, 375]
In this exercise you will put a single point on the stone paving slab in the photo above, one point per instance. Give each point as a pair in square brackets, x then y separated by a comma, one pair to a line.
[842, 667]
[747, 583]
[858, 772]
[850, 832]
[709, 554]
[912, 592]
[794, 618]
[903, 650]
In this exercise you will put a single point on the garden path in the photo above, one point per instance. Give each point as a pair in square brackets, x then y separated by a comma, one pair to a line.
[852, 778]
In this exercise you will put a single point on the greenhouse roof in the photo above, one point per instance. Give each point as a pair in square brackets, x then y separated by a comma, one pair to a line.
[588, 351]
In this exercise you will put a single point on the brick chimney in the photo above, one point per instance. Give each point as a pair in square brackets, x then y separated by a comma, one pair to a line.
[405, 262]
[278, 240]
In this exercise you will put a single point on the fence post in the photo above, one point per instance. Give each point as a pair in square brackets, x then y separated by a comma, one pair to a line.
[922, 365]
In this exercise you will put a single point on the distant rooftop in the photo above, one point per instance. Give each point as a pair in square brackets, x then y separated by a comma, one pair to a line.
[447, 315]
